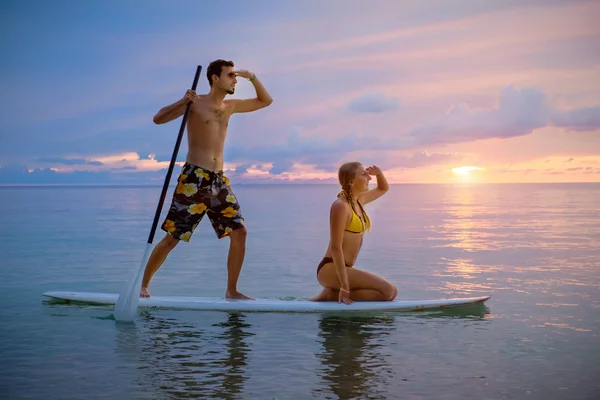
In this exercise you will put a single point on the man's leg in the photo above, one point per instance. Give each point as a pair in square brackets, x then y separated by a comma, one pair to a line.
[227, 220]
[235, 259]
[157, 258]
[188, 207]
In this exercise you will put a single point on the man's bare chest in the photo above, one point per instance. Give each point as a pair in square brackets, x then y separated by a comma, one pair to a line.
[211, 115]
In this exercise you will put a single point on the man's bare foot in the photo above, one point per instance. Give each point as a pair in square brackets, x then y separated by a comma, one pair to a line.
[230, 294]
[144, 292]
[326, 294]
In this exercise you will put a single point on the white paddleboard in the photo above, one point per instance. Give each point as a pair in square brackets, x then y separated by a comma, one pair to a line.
[269, 305]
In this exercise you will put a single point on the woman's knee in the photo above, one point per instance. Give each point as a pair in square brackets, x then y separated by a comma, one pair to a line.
[395, 292]
[389, 291]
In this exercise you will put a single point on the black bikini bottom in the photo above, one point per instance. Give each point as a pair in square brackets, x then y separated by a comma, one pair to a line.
[327, 260]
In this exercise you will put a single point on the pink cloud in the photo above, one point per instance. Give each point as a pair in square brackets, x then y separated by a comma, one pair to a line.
[519, 112]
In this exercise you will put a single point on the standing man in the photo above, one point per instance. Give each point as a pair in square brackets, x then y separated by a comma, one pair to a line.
[201, 187]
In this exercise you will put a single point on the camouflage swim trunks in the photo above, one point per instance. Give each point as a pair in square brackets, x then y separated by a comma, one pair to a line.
[201, 191]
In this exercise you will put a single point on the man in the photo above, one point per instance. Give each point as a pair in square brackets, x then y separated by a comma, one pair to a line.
[201, 187]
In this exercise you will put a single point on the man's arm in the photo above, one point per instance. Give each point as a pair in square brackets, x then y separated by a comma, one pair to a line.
[262, 99]
[175, 110]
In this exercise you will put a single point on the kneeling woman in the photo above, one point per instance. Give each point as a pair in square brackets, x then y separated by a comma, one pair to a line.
[348, 222]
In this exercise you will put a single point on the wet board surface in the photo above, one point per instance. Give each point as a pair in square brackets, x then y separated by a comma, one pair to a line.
[269, 305]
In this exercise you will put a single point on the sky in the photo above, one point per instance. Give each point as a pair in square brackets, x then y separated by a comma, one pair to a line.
[435, 91]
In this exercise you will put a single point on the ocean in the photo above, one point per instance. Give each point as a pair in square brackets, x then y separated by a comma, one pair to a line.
[532, 247]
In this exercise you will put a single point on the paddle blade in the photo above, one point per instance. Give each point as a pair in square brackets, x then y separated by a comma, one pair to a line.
[127, 303]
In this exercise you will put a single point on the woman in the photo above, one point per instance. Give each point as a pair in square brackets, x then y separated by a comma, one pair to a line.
[348, 223]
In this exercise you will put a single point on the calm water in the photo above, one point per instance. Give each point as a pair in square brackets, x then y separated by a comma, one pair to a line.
[534, 248]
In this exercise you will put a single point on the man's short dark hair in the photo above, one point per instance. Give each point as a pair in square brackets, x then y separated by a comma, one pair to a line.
[215, 68]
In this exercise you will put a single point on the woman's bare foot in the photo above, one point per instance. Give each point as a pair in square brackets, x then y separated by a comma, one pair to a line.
[144, 292]
[326, 294]
[230, 294]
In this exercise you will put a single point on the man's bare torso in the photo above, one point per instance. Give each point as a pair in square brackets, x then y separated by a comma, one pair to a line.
[207, 129]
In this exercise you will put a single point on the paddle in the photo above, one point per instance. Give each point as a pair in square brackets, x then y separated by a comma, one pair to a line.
[128, 300]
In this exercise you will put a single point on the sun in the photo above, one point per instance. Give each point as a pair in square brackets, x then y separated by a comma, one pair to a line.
[465, 170]
[467, 174]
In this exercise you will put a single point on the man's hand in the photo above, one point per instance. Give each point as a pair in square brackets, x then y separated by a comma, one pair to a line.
[262, 99]
[190, 95]
[175, 110]
[373, 170]
[244, 74]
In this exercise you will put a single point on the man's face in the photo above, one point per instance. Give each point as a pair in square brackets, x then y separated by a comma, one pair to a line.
[227, 80]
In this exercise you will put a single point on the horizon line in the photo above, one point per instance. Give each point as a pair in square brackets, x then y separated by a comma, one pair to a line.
[149, 185]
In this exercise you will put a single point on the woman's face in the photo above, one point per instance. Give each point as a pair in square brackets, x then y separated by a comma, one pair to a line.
[361, 180]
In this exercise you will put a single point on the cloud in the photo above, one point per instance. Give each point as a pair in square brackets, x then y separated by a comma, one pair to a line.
[519, 112]
[19, 174]
[69, 161]
[296, 148]
[553, 172]
[423, 159]
[547, 171]
[328, 168]
[281, 166]
[324, 152]
[125, 168]
[524, 171]
[373, 103]
[579, 119]
[83, 138]
[242, 169]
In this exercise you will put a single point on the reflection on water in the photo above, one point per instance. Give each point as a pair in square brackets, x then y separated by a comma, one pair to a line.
[182, 360]
[496, 218]
[534, 248]
[462, 226]
[353, 356]
[175, 359]
[517, 226]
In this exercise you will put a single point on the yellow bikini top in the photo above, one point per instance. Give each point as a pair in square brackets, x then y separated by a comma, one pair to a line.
[356, 225]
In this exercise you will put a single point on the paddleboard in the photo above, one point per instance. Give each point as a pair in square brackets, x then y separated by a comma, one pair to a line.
[269, 305]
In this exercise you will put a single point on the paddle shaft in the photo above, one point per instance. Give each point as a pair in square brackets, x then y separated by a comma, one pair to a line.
[173, 158]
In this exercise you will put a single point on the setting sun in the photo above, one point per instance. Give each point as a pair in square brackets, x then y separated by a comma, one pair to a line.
[465, 170]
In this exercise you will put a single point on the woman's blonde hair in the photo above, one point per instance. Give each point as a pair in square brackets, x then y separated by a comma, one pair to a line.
[346, 175]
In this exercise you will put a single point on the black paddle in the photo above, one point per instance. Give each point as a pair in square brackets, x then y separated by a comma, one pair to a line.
[126, 306]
